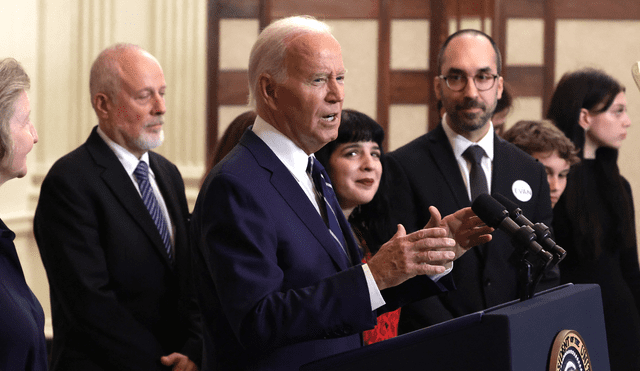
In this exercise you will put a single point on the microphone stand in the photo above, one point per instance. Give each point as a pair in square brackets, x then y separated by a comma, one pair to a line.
[529, 256]
[543, 235]
[530, 259]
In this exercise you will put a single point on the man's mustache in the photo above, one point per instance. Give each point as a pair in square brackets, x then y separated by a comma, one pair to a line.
[471, 103]
[154, 123]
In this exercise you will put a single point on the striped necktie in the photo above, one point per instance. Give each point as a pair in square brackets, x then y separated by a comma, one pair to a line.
[331, 206]
[142, 175]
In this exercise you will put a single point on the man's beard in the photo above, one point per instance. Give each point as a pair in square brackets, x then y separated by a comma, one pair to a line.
[149, 141]
[468, 122]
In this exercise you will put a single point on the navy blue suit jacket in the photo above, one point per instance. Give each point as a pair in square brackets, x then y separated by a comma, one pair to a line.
[22, 342]
[425, 172]
[275, 290]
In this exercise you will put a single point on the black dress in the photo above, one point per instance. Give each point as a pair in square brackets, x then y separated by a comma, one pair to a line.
[594, 222]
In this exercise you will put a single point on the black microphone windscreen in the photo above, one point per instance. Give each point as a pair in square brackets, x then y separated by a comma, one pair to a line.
[489, 210]
[507, 203]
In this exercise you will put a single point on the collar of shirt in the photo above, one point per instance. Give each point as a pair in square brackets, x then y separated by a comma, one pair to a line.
[129, 160]
[460, 144]
[292, 156]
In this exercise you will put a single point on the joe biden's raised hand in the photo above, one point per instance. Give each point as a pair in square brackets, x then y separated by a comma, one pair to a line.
[404, 256]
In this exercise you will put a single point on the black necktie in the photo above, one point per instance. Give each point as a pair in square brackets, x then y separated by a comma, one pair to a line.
[477, 178]
[330, 204]
[148, 197]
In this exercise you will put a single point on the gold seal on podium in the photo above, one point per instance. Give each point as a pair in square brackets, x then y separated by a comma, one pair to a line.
[569, 353]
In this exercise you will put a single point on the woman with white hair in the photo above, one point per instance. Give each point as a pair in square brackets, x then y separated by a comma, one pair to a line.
[22, 342]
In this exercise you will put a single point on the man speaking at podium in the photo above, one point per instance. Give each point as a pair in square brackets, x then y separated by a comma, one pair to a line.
[279, 276]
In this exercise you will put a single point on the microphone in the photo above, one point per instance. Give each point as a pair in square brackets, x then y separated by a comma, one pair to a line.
[543, 234]
[494, 215]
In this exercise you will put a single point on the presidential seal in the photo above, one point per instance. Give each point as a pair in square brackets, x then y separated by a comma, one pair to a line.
[569, 353]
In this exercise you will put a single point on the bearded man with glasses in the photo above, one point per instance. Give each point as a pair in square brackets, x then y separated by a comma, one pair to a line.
[436, 170]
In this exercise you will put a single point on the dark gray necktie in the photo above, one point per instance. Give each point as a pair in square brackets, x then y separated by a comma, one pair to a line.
[477, 177]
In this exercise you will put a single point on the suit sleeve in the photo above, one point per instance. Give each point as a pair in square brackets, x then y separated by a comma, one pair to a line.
[190, 318]
[66, 230]
[417, 288]
[244, 244]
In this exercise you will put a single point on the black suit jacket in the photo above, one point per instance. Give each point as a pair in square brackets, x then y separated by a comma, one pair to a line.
[425, 172]
[118, 303]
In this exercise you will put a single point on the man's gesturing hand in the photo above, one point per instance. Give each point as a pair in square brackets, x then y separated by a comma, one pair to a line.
[463, 226]
[405, 256]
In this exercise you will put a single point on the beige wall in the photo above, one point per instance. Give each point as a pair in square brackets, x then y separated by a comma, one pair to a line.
[18, 25]
[56, 40]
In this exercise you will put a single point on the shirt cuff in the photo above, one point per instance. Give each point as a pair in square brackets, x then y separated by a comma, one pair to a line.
[436, 277]
[374, 293]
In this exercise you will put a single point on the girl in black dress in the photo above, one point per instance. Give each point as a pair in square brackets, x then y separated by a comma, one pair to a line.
[594, 218]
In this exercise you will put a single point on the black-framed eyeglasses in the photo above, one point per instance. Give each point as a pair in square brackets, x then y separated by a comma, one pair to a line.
[482, 81]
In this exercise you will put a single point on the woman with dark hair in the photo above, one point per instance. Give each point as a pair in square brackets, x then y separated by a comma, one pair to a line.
[22, 342]
[594, 219]
[353, 162]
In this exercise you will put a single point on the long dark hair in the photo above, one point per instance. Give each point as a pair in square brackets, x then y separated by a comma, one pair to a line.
[367, 220]
[595, 91]
[587, 88]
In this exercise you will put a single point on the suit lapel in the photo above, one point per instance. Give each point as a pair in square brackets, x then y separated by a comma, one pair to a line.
[444, 158]
[352, 244]
[500, 183]
[294, 196]
[117, 179]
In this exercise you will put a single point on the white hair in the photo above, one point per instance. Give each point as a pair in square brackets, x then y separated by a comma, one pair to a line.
[269, 51]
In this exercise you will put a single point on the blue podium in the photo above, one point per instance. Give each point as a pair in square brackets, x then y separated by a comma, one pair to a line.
[515, 336]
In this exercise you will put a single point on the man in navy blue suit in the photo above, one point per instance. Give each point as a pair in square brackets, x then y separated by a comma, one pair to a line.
[275, 287]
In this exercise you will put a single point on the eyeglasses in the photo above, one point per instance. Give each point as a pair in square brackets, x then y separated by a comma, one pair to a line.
[482, 81]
